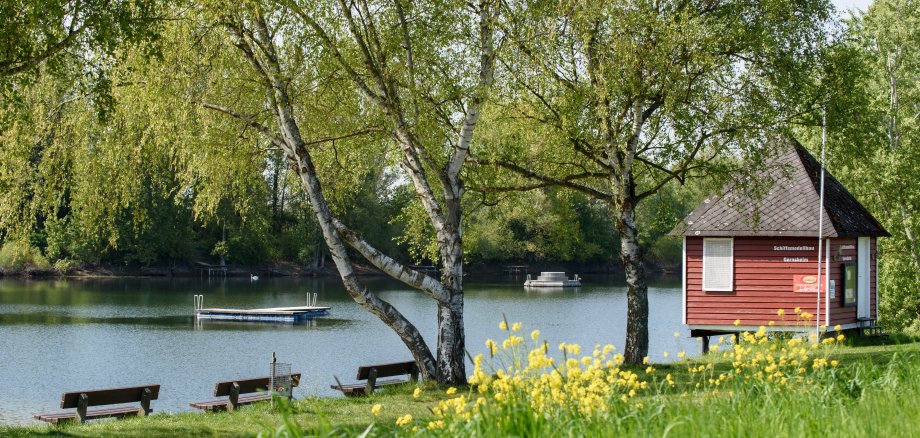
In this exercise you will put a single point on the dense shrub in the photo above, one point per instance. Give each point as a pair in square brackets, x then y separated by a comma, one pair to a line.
[18, 255]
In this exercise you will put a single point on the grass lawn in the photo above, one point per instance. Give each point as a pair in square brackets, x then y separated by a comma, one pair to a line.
[349, 416]
[878, 394]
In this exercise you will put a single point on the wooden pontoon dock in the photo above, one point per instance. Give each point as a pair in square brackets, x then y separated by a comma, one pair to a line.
[269, 314]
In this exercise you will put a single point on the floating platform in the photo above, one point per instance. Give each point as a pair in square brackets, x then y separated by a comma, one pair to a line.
[553, 279]
[271, 314]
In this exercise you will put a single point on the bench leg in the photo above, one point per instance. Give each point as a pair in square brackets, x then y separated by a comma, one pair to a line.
[371, 381]
[234, 401]
[145, 403]
[82, 404]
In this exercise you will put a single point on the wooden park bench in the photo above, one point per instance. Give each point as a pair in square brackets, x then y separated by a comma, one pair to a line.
[83, 400]
[241, 392]
[372, 372]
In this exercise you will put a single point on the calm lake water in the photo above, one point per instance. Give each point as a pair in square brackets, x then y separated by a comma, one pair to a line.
[66, 335]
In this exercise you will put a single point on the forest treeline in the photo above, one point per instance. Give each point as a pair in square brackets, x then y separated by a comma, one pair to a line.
[71, 219]
[117, 164]
[439, 132]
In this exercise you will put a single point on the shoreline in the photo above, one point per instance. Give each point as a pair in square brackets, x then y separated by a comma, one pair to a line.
[288, 269]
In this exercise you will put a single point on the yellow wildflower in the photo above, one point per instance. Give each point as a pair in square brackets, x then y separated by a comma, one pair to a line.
[516, 327]
[451, 390]
[737, 322]
[645, 360]
[838, 328]
[681, 354]
[665, 354]
[432, 425]
[404, 420]
[535, 335]
[376, 409]
[503, 325]
[417, 393]
[780, 312]
[676, 334]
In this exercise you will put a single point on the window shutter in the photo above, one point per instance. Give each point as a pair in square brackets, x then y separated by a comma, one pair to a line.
[718, 264]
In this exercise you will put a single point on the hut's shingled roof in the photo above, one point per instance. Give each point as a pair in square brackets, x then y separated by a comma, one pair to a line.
[789, 208]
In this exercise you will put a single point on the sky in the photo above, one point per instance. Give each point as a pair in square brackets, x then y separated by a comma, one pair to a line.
[845, 5]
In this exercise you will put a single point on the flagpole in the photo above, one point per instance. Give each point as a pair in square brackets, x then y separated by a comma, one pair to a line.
[821, 224]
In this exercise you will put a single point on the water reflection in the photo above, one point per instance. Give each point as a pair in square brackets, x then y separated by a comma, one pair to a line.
[302, 324]
[58, 336]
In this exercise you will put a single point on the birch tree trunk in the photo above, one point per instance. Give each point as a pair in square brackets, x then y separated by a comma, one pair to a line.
[451, 337]
[636, 287]
[407, 332]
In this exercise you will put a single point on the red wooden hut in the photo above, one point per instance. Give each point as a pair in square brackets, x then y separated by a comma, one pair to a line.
[740, 268]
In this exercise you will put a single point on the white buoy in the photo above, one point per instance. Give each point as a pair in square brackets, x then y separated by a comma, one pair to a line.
[253, 277]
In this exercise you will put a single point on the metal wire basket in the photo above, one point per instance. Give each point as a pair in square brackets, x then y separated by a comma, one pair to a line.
[281, 382]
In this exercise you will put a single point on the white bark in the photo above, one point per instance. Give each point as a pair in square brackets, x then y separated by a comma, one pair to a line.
[636, 287]
[393, 268]
[891, 65]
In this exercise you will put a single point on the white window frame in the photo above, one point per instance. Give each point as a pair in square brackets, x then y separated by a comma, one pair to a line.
[731, 271]
[863, 282]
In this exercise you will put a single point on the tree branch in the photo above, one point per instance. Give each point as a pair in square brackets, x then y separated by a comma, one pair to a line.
[563, 182]
[11, 67]
[487, 17]
[249, 121]
[393, 268]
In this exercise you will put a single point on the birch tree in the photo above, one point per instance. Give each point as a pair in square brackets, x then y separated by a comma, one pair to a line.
[618, 99]
[874, 144]
[409, 63]
[427, 67]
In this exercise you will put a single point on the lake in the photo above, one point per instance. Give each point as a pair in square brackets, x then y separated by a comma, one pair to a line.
[66, 335]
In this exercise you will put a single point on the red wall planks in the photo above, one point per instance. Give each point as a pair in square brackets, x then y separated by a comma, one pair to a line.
[763, 282]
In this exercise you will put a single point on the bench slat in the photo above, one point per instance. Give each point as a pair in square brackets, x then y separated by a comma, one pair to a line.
[360, 388]
[111, 396]
[57, 417]
[387, 369]
[221, 404]
[222, 389]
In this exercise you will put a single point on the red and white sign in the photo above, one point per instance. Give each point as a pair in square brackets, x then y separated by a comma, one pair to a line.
[805, 283]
